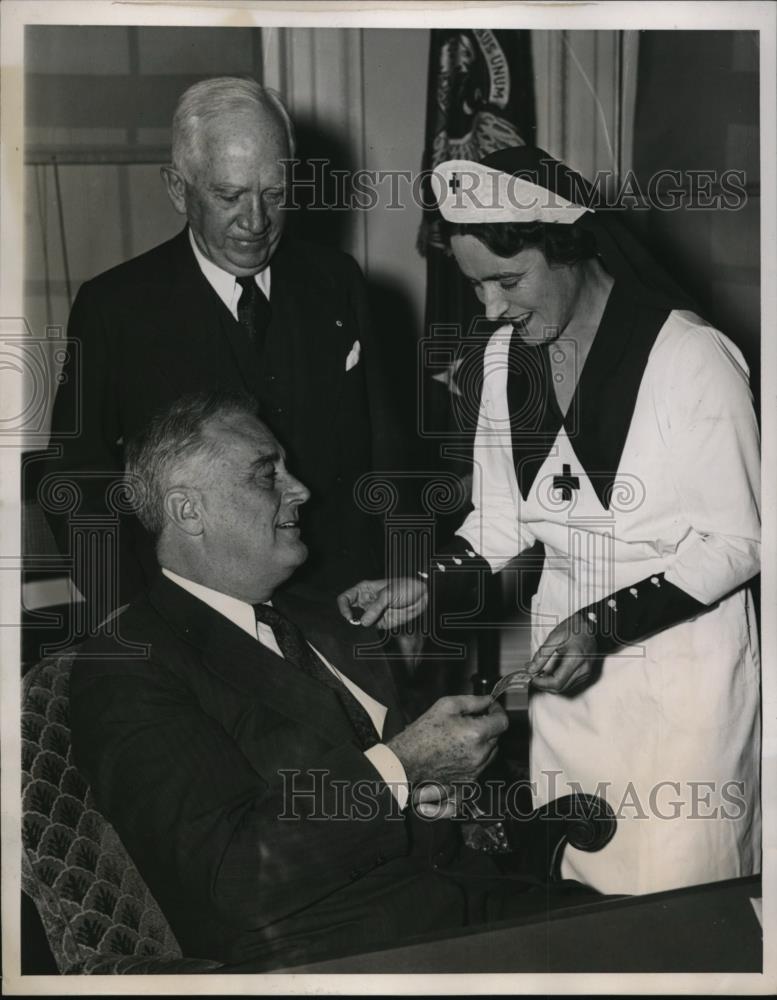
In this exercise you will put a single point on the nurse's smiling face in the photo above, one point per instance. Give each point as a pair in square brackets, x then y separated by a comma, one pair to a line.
[539, 300]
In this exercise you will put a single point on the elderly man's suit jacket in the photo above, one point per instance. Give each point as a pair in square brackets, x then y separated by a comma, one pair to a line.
[152, 329]
[191, 743]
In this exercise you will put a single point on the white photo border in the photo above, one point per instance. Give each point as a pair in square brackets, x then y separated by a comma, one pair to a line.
[15, 14]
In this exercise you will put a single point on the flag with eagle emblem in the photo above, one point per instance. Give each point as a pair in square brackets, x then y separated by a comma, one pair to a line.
[480, 99]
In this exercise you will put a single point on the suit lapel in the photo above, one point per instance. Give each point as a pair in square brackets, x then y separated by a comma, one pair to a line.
[246, 358]
[307, 335]
[246, 664]
[194, 302]
[200, 314]
[305, 318]
[260, 673]
[339, 642]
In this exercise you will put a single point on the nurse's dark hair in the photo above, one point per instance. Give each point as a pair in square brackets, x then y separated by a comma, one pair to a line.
[560, 243]
[155, 456]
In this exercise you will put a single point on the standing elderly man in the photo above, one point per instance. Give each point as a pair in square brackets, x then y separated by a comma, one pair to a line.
[256, 772]
[228, 303]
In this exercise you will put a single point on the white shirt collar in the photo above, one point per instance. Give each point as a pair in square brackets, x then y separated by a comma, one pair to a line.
[222, 282]
[238, 612]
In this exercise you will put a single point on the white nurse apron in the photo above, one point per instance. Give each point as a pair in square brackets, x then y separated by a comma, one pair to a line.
[668, 732]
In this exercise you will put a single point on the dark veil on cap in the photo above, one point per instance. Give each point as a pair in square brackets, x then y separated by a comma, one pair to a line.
[623, 255]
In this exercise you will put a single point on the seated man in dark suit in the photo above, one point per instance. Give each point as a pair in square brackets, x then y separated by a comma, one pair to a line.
[260, 777]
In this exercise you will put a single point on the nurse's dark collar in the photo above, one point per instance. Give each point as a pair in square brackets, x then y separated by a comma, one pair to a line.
[602, 406]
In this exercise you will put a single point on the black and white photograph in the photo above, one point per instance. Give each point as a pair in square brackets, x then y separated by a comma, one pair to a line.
[387, 438]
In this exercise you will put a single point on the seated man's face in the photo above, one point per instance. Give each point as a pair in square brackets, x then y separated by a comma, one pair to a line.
[251, 504]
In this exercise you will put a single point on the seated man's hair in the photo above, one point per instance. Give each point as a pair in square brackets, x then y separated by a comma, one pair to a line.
[172, 436]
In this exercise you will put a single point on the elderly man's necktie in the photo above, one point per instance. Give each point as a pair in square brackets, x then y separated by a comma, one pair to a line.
[296, 650]
[253, 311]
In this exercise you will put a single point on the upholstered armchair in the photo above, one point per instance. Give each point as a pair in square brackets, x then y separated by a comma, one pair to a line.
[98, 915]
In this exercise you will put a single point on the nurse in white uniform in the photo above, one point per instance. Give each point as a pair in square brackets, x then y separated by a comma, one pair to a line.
[617, 428]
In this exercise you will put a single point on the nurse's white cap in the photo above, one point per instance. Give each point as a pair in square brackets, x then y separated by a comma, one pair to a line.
[469, 192]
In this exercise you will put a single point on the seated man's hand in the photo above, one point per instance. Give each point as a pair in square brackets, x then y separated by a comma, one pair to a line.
[385, 603]
[453, 741]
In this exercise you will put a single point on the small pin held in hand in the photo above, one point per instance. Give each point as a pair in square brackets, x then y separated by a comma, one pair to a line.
[517, 680]
[356, 615]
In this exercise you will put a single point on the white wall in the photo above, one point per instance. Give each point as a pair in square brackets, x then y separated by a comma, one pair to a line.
[99, 102]
[395, 76]
[364, 92]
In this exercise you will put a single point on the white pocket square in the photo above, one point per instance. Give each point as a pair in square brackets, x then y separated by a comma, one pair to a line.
[353, 356]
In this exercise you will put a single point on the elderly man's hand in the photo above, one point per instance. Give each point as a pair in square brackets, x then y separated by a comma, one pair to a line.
[385, 603]
[453, 741]
[564, 662]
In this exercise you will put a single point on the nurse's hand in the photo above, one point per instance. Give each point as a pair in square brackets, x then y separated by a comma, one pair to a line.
[564, 662]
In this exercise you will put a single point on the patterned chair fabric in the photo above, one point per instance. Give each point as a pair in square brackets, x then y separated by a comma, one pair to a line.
[98, 914]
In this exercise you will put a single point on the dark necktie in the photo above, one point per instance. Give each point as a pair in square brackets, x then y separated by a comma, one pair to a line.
[253, 311]
[296, 650]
